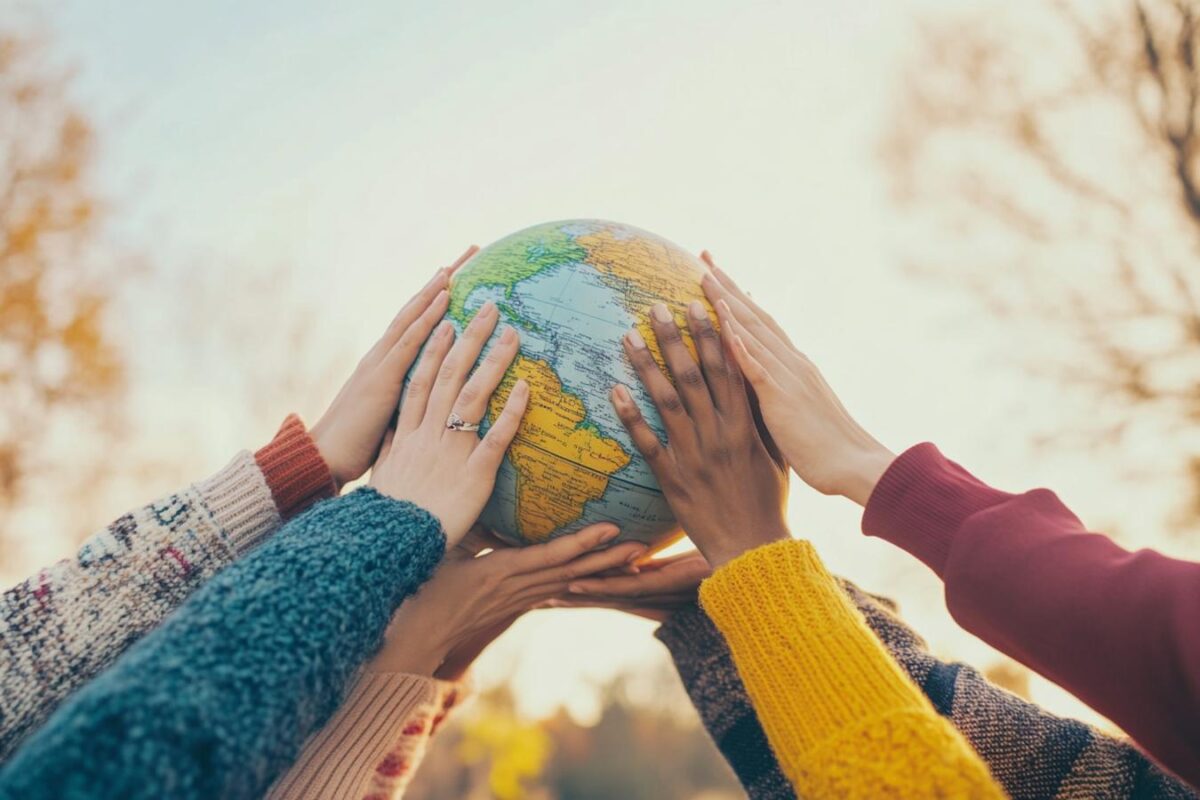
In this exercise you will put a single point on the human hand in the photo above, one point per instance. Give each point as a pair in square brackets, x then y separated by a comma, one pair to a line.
[350, 431]
[472, 599]
[716, 473]
[816, 435]
[448, 472]
[658, 589]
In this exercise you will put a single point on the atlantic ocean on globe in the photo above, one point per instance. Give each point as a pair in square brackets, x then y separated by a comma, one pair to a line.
[572, 289]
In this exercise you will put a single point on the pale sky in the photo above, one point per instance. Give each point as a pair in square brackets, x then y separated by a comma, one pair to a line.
[360, 146]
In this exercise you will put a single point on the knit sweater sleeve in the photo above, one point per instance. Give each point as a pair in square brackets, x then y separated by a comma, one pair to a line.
[842, 718]
[711, 681]
[65, 624]
[1025, 575]
[374, 743]
[218, 700]
[1031, 753]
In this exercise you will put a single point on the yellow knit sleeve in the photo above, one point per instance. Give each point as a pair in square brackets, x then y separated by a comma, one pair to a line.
[843, 719]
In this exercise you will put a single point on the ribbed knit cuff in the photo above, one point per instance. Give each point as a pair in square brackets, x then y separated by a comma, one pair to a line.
[241, 503]
[921, 502]
[382, 708]
[294, 469]
[807, 658]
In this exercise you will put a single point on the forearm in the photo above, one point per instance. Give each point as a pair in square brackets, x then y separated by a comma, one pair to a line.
[1024, 574]
[64, 625]
[374, 743]
[218, 700]
[841, 717]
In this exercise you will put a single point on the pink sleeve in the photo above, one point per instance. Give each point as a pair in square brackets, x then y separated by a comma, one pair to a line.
[1117, 628]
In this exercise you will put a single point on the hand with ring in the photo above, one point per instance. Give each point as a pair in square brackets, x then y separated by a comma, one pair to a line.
[434, 458]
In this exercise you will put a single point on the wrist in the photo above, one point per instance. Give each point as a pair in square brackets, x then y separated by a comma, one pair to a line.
[864, 471]
[722, 552]
[320, 439]
[409, 653]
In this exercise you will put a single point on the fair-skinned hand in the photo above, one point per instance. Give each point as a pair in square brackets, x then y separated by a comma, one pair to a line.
[450, 473]
[472, 599]
[816, 435]
[658, 589]
[718, 476]
[350, 431]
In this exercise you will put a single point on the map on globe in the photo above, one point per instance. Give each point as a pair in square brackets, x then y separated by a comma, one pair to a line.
[573, 289]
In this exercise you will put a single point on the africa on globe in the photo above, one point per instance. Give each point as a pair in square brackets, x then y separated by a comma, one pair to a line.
[573, 289]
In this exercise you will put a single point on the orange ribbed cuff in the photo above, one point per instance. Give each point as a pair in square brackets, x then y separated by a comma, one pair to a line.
[294, 469]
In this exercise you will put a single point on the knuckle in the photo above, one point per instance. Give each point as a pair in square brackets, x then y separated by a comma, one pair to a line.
[691, 377]
[447, 371]
[671, 403]
[468, 394]
[418, 385]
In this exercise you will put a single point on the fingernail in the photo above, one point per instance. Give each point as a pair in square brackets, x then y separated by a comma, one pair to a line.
[575, 588]
[609, 535]
[660, 313]
[442, 295]
[622, 394]
[636, 554]
[521, 387]
[696, 309]
[635, 339]
[631, 569]
[726, 311]
[508, 335]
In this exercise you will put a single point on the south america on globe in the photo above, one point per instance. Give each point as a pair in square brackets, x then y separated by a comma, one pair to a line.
[572, 290]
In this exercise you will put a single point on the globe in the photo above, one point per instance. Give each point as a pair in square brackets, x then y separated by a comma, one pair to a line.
[572, 289]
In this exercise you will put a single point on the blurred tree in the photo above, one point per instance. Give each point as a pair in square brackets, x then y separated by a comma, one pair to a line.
[650, 747]
[1060, 142]
[56, 358]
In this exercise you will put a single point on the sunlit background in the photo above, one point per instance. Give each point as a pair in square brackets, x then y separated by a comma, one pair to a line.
[972, 216]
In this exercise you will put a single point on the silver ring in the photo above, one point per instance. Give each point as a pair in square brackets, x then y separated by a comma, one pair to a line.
[457, 423]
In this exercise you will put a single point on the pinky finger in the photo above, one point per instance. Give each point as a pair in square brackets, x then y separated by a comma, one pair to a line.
[494, 444]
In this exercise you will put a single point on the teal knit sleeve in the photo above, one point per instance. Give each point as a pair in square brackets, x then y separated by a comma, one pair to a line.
[219, 700]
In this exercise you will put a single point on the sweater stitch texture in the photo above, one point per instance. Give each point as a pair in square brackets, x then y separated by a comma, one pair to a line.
[65, 624]
[218, 700]
[842, 718]
[1116, 628]
[1033, 754]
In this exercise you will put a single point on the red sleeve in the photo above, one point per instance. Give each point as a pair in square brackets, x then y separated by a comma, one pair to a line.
[294, 469]
[1119, 629]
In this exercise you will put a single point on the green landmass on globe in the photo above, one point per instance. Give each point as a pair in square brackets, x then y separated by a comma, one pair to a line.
[572, 289]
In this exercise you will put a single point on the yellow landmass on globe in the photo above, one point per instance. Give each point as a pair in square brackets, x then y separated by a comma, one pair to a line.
[645, 271]
[561, 463]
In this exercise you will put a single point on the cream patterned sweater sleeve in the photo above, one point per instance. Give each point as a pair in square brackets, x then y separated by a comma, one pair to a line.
[63, 625]
[374, 744]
